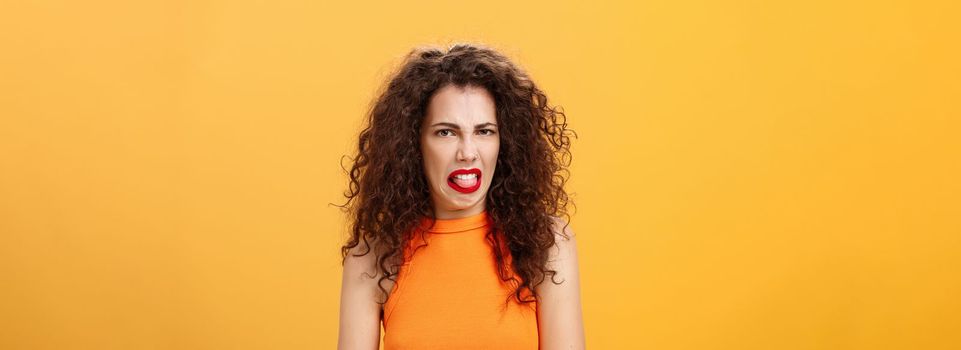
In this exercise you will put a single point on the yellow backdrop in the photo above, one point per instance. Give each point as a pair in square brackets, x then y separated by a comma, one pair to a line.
[749, 175]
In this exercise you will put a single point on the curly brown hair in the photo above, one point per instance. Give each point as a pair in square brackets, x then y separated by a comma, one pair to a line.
[388, 193]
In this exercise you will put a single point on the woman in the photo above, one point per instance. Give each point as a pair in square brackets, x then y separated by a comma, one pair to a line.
[455, 200]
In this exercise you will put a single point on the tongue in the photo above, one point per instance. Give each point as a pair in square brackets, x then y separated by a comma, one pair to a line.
[465, 183]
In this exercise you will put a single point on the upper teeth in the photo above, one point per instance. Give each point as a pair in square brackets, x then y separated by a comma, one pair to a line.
[466, 176]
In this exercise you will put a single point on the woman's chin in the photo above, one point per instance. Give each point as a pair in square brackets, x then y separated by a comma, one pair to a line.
[463, 201]
[461, 204]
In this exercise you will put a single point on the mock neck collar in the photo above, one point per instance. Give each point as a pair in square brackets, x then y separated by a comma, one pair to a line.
[466, 223]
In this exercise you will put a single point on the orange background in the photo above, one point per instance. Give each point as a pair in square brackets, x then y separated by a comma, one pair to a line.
[749, 175]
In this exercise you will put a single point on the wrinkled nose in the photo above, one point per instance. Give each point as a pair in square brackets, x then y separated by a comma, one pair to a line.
[467, 152]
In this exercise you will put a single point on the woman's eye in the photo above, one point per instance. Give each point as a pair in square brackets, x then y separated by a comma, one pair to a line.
[489, 131]
[440, 132]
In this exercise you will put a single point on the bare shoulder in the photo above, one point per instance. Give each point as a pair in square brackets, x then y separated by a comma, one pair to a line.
[362, 271]
[562, 227]
[359, 310]
[563, 233]
[563, 255]
[360, 260]
[559, 317]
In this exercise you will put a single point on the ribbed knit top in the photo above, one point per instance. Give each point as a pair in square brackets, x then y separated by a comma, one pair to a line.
[448, 294]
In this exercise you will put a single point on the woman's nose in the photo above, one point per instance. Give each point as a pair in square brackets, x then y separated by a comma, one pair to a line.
[467, 152]
[466, 156]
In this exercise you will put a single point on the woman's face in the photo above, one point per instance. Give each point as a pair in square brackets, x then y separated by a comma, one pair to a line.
[459, 144]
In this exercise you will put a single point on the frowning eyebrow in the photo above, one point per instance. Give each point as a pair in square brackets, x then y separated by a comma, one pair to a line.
[457, 127]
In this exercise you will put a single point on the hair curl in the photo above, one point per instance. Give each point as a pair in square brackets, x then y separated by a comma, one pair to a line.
[388, 193]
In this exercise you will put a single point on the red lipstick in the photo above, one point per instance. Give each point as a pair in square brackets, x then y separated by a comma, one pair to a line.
[458, 188]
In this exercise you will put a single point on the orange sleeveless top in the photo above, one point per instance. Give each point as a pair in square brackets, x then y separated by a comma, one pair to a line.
[448, 294]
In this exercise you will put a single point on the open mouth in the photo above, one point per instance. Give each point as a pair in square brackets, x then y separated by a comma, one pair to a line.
[464, 180]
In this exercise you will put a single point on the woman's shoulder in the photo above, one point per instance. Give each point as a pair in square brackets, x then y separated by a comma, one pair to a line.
[562, 258]
[362, 272]
[562, 229]
[360, 265]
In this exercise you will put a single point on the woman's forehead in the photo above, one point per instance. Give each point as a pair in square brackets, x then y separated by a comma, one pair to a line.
[464, 106]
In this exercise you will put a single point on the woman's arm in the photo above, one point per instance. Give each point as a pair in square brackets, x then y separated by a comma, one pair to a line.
[359, 310]
[559, 320]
